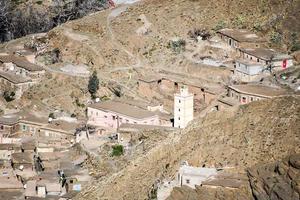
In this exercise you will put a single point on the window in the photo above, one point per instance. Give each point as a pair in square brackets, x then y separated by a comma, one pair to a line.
[114, 117]
[179, 101]
[179, 109]
[244, 99]
[1, 127]
[24, 128]
[187, 181]
[251, 99]
[178, 118]
[257, 59]
[105, 116]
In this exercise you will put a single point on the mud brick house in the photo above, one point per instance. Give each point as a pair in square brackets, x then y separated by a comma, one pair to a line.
[237, 38]
[14, 82]
[254, 92]
[21, 66]
[8, 124]
[38, 126]
[23, 160]
[6, 150]
[265, 57]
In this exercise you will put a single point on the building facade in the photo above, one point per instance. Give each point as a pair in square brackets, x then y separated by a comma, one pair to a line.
[266, 57]
[237, 38]
[183, 108]
[112, 114]
[246, 71]
[248, 93]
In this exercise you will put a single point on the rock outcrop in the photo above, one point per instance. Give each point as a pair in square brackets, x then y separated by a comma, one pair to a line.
[276, 181]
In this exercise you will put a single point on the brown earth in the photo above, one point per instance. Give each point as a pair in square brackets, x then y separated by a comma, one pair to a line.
[255, 133]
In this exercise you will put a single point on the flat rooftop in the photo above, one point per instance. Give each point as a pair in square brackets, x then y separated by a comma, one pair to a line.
[14, 78]
[11, 119]
[266, 54]
[241, 35]
[123, 109]
[20, 62]
[259, 90]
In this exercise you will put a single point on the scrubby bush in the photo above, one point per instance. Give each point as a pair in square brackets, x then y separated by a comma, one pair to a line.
[117, 150]
[177, 45]
[239, 21]
[276, 37]
[220, 25]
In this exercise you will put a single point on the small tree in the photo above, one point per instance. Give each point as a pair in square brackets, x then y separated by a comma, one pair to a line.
[93, 85]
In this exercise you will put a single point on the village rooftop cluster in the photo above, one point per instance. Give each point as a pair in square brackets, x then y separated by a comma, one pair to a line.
[37, 156]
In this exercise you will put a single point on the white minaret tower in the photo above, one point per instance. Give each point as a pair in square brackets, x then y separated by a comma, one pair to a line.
[183, 108]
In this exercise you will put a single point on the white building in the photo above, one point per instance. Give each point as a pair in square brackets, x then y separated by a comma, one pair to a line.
[192, 176]
[247, 71]
[183, 108]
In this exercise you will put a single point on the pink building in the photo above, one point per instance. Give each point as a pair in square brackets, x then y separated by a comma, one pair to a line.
[112, 114]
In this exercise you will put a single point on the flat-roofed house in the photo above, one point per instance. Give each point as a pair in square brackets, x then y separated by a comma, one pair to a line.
[56, 130]
[265, 57]
[7, 149]
[192, 176]
[19, 84]
[21, 66]
[23, 160]
[249, 71]
[8, 125]
[238, 38]
[253, 92]
[112, 114]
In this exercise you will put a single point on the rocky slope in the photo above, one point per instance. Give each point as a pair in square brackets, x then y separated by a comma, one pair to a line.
[240, 138]
[20, 18]
[277, 181]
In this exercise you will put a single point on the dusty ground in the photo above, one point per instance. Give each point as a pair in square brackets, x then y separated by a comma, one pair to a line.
[255, 133]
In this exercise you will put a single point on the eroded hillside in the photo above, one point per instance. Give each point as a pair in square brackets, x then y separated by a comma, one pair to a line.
[256, 133]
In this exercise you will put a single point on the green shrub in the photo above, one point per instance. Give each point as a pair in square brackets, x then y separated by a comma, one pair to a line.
[9, 96]
[257, 27]
[220, 25]
[117, 150]
[177, 45]
[93, 85]
[275, 37]
[295, 47]
[51, 115]
[239, 21]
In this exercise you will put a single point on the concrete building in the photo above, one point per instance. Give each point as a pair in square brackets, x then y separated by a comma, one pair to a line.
[192, 176]
[248, 93]
[247, 71]
[237, 38]
[183, 108]
[111, 114]
[265, 57]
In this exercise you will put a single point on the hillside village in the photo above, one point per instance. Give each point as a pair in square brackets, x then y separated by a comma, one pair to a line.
[65, 124]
